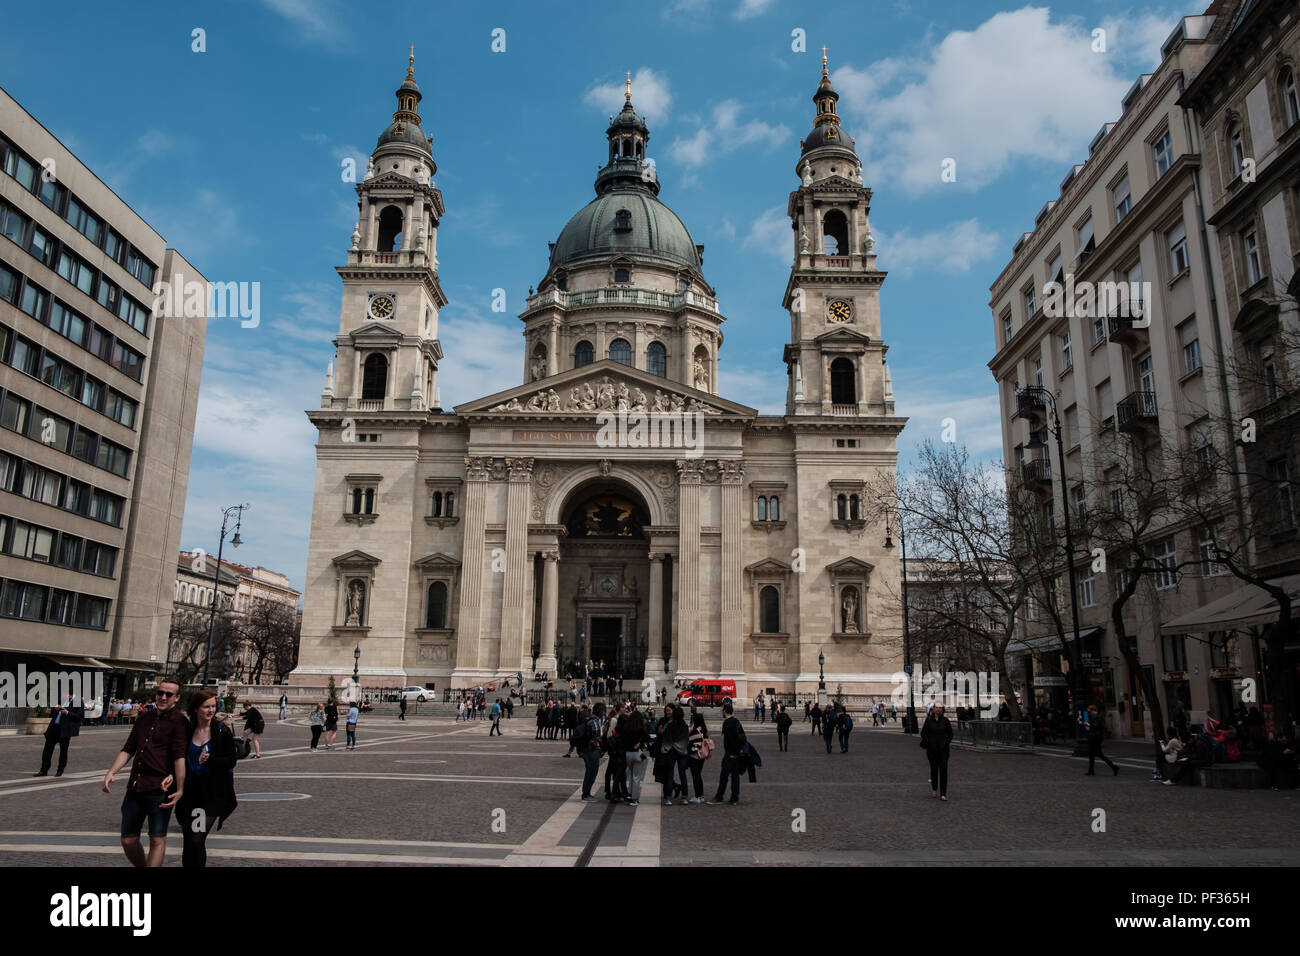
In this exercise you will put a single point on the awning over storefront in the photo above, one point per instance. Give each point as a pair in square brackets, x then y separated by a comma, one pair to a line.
[144, 667]
[1047, 642]
[1248, 606]
[77, 663]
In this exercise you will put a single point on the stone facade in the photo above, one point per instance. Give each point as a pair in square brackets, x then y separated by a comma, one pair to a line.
[613, 506]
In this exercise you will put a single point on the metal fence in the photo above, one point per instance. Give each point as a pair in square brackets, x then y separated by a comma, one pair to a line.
[11, 717]
[994, 733]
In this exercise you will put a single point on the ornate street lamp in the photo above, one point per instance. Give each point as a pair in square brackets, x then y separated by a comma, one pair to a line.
[237, 512]
[356, 672]
[821, 673]
[909, 720]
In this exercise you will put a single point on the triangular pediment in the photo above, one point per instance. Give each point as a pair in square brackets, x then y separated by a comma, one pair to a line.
[850, 566]
[356, 559]
[437, 559]
[843, 335]
[375, 332]
[390, 178]
[769, 566]
[836, 182]
[603, 386]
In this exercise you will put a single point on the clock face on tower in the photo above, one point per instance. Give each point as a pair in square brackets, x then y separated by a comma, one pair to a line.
[381, 307]
[840, 311]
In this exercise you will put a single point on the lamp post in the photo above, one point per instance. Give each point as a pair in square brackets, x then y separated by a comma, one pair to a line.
[237, 512]
[1080, 677]
[356, 672]
[821, 679]
[909, 720]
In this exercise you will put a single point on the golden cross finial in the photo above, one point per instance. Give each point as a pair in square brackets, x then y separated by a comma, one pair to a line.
[413, 52]
[627, 95]
[823, 61]
[410, 68]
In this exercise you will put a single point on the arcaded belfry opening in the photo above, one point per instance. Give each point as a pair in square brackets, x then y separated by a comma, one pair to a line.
[835, 234]
[390, 230]
[843, 382]
[374, 376]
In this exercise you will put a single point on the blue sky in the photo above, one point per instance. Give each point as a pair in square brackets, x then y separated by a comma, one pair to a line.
[234, 155]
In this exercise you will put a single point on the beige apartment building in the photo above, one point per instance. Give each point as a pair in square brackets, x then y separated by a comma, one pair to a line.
[97, 407]
[1141, 372]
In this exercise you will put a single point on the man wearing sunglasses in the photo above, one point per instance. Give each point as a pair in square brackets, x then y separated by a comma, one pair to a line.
[157, 741]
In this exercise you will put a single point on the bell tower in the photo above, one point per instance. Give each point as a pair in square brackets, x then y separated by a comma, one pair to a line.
[387, 349]
[835, 359]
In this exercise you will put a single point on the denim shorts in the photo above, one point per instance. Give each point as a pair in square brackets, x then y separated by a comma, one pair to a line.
[137, 806]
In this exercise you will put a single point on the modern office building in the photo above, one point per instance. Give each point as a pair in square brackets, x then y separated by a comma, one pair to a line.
[97, 408]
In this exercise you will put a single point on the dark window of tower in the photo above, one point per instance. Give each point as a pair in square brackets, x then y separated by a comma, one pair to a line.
[841, 507]
[450, 509]
[656, 359]
[774, 509]
[437, 504]
[622, 275]
[562, 284]
[390, 230]
[437, 613]
[853, 507]
[370, 501]
[583, 354]
[762, 508]
[769, 610]
[620, 351]
[843, 387]
[374, 377]
[623, 221]
[835, 228]
[356, 501]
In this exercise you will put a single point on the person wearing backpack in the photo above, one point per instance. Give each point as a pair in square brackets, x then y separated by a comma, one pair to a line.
[254, 726]
[733, 742]
[587, 738]
[354, 713]
[846, 728]
[701, 748]
[317, 721]
[829, 719]
[496, 719]
[209, 797]
[783, 723]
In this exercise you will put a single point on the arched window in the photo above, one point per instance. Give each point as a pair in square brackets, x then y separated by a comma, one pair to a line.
[843, 386]
[450, 502]
[762, 508]
[374, 376]
[370, 501]
[583, 354]
[769, 612]
[853, 507]
[1236, 148]
[1287, 93]
[437, 504]
[620, 351]
[842, 507]
[390, 230]
[656, 359]
[356, 501]
[622, 275]
[835, 230]
[436, 614]
[773, 509]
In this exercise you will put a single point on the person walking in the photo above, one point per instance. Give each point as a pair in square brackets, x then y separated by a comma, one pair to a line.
[331, 723]
[783, 723]
[807, 711]
[210, 758]
[758, 706]
[65, 723]
[829, 719]
[254, 726]
[157, 742]
[354, 713]
[817, 718]
[635, 739]
[733, 742]
[587, 744]
[1096, 729]
[701, 748]
[401, 708]
[936, 739]
[845, 728]
[284, 706]
[316, 720]
[496, 719]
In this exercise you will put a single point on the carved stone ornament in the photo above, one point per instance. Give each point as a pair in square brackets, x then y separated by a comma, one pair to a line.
[608, 395]
[476, 468]
[519, 469]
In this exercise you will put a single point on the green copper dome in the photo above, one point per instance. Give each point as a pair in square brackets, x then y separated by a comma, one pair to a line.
[650, 232]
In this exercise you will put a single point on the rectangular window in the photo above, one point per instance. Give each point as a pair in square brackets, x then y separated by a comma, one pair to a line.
[1173, 652]
[57, 374]
[106, 507]
[1086, 597]
[83, 445]
[140, 267]
[1199, 441]
[32, 542]
[1178, 261]
[33, 301]
[1067, 353]
[1006, 328]
[92, 393]
[26, 357]
[1208, 544]
[1055, 271]
[133, 314]
[106, 295]
[1190, 343]
[1122, 199]
[1072, 426]
[1268, 371]
[1250, 248]
[1279, 474]
[1162, 154]
[8, 284]
[18, 166]
[10, 472]
[69, 552]
[1038, 372]
[1080, 497]
[1105, 402]
[115, 246]
[99, 342]
[76, 496]
[12, 224]
[51, 193]
[50, 429]
[99, 559]
[1031, 304]
[67, 323]
[1098, 330]
[1114, 492]
[41, 246]
[25, 601]
[127, 360]
[91, 611]
[76, 271]
[61, 605]
[1135, 303]
[120, 408]
[84, 221]
[14, 413]
[1163, 555]
[1086, 241]
[112, 457]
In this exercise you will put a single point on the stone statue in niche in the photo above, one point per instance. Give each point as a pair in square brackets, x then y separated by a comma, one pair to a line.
[356, 595]
[539, 368]
[849, 611]
[803, 239]
[701, 375]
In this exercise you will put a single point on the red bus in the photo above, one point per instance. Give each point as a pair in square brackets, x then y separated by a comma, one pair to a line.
[708, 693]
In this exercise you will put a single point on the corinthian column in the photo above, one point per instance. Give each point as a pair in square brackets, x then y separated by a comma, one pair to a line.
[471, 579]
[550, 610]
[733, 647]
[688, 600]
[654, 664]
[519, 473]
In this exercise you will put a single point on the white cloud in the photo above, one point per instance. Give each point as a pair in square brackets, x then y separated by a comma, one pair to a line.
[975, 416]
[723, 134]
[1136, 41]
[952, 249]
[650, 95]
[967, 98]
[314, 19]
[771, 234]
[752, 8]
[763, 389]
[483, 356]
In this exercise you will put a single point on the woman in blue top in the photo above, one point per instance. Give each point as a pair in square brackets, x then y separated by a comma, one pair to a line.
[209, 797]
[353, 713]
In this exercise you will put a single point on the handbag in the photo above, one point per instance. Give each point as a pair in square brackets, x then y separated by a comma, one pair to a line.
[706, 748]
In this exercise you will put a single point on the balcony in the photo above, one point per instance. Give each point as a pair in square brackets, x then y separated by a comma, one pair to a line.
[1129, 330]
[1036, 474]
[1038, 438]
[837, 262]
[623, 295]
[847, 410]
[1137, 412]
[1030, 404]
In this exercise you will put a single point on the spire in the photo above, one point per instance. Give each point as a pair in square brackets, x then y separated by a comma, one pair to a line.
[826, 129]
[405, 127]
[628, 137]
[627, 95]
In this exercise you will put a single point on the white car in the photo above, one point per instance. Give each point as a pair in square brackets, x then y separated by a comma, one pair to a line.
[420, 694]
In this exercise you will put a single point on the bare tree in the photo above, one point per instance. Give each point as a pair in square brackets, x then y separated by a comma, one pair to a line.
[269, 632]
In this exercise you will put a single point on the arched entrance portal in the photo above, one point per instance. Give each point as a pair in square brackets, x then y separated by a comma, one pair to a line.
[604, 570]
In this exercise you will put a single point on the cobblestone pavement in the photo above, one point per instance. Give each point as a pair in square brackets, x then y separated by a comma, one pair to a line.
[431, 791]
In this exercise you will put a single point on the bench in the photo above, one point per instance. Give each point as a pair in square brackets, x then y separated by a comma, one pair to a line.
[1232, 776]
